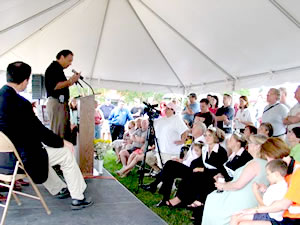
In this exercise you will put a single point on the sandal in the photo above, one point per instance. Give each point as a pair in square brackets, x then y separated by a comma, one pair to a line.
[196, 204]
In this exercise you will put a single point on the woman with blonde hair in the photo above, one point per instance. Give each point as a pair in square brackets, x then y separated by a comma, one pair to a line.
[201, 183]
[237, 194]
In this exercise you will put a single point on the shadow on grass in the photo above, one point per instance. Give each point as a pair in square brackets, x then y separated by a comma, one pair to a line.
[171, 216]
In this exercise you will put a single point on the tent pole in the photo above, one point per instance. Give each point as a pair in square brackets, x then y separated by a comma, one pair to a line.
[41, 28]
[99, 40]
[230, 76]
[33, 16]
[285, 12]
[153, 41]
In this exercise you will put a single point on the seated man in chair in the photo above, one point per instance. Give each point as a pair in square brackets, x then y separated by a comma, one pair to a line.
[19, 123]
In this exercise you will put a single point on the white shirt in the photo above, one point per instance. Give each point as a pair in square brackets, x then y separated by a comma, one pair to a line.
[191, 154]
[275, 116]
[167, 131]
[294, 112]
[245, 116]
[273, 193]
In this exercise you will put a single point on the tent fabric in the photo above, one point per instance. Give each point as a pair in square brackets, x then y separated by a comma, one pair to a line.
[167, 46]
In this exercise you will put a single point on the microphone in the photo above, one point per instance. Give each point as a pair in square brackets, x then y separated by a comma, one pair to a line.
[74, 71]
[81, 78]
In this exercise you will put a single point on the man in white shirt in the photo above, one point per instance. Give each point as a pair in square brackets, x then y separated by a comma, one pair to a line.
[275, 112]
[293, 118]
[171, 133]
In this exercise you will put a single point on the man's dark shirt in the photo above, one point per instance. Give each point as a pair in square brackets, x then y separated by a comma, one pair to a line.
[106, 109]
[208, 116]
[135, 110]
[53, 75]
[229, 112]
[19, 123]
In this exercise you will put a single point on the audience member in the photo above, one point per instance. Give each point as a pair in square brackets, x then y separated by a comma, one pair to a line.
[137, 110]
[74, 115]
[28, 135]
[171, 133]
[162, 109]
[205, 116]
[237, 194]
[293, 137]
[213, 158]
[239, 156]
[170, 171]
[283, 95]
[243, 116]
[289, 204]
[275, 112]
[138, 138]
[214, 104]
[124, 143]
[99, 117]
[177, 104]
[249, 130]
[276, 171]
[265, 129]
[225, 114]
[293, 118]
[117, 120]
[191, 107]
[106, 109]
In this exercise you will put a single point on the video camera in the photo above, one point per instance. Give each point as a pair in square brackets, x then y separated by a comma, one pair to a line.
[151, 111]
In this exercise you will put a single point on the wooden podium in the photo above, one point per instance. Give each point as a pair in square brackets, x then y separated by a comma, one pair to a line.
[86, 134]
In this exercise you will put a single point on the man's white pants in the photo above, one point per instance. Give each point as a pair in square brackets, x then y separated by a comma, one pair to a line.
[72, 174]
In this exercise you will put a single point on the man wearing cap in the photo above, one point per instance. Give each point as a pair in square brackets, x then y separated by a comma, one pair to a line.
[191, 108]
[293, 118]
[117, 120]
[171, 133]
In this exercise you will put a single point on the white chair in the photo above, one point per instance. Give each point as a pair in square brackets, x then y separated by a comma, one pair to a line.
[9, 180]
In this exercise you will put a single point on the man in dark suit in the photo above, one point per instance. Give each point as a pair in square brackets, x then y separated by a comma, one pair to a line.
[19, 123]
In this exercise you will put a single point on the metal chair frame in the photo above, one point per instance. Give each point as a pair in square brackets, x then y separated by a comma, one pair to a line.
[9, 180]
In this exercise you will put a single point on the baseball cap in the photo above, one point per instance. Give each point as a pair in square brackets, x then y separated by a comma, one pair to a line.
[192, 95]
[172, 106]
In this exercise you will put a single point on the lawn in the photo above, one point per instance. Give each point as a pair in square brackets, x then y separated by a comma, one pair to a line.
[171, 216]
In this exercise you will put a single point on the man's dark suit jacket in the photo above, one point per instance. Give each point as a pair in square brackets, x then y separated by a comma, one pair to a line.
[235, 163]
[19, 123]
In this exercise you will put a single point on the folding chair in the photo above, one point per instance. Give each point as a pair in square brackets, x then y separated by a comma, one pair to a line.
[9, 180]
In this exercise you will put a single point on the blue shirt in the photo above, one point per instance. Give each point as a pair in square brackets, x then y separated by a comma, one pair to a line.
[119, 116]
[196, 108]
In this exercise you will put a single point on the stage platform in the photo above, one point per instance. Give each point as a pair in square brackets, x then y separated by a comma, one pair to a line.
[113, 205]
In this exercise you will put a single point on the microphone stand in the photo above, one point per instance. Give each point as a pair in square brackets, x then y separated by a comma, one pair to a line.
[89, 86]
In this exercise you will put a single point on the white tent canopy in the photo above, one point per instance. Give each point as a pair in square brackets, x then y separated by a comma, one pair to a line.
[169, 46]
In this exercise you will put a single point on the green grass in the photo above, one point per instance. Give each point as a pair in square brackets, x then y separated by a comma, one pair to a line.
[171, 216]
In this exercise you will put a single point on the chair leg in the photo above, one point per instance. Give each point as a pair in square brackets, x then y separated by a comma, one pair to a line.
[35, 188]
[17, 199]
[9, 193]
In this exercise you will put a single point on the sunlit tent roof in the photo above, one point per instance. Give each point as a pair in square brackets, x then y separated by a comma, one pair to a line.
[169, 46]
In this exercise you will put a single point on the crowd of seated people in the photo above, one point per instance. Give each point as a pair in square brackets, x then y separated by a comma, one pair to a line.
[228, 165]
